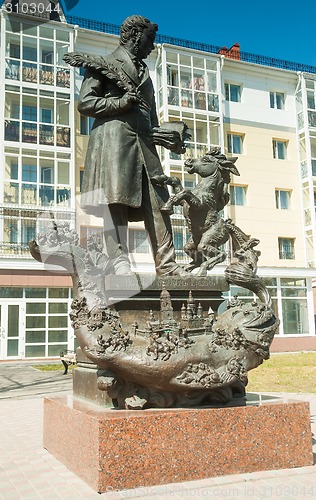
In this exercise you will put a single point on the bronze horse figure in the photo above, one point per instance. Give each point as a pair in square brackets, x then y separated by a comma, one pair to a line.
[201, 207]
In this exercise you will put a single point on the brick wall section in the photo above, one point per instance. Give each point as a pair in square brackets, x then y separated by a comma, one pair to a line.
[293, 344]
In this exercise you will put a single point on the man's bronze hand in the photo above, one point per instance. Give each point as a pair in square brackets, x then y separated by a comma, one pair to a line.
[127, 100]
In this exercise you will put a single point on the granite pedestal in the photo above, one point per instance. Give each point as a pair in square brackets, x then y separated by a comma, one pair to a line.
[119, 449]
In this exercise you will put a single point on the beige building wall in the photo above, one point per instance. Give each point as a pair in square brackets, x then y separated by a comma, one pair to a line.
[262, 174]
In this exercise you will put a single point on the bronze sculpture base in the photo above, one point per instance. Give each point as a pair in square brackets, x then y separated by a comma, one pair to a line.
[119, 449]
[137, 299]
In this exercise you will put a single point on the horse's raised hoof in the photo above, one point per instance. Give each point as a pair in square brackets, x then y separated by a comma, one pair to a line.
[158, 180]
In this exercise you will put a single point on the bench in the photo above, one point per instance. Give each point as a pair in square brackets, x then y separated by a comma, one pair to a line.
[67, 358]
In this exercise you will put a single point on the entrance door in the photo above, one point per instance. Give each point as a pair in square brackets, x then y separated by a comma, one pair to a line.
[11, 340]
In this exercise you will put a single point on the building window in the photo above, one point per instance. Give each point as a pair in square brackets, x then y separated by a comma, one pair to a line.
[289, 303]
[46, 321]
[52, 114]
[178, 240]
[189, 184]
[29, 113]
[14, 50]
[29, 53]
[47, 116]
[311, 99]
[294, 306]
[279, 149]
[277, 100]
[232, 92]
[48, 56]
[36, 181]
[238, 195]
[86, 123]
[38, 54]
[286, 248]
[234, 143]
[138, 241]
[81, 179]
[282, 199]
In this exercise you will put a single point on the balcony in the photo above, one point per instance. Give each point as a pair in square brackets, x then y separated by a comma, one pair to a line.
[312, 119]
[63, 77]
[15, 250]
[63, 197]
[12, 131]
[23, 224]
[29, 132]
[46, 75]
[12, 69]
[29, 72]
[46, 135]
[63, 137]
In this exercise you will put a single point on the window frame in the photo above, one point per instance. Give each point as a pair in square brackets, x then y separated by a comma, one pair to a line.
[228, 87]
[273, 96]
[235, 198]
[37, 177]
[132, 240]
[276, 151]
[230, 137]
[278, 199]
[86, 124]
[286, 254]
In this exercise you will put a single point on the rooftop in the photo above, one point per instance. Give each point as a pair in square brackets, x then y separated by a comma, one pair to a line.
[205, 47]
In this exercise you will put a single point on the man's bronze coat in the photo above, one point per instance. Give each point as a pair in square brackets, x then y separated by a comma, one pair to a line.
[120, 150]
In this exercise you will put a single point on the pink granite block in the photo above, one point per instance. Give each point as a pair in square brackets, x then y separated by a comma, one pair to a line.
[118, 449]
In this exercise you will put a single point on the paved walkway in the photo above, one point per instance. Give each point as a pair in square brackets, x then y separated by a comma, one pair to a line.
[28, 471]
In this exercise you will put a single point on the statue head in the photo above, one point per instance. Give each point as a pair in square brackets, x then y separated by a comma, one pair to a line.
[137, 35]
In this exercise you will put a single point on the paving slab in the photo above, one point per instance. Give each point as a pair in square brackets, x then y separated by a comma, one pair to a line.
[22, 380]
[28, 471]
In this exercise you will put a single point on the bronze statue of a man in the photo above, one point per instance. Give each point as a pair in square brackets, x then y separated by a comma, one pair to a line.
[121, 156]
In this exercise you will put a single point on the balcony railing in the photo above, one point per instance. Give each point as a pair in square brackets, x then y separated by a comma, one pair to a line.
[30, 133]
[63, 136]
[31, 72]
[23, 223]
[15, 250]
[46, 75]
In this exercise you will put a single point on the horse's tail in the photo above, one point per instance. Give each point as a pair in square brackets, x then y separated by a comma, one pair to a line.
[237, 235]
[242, 272]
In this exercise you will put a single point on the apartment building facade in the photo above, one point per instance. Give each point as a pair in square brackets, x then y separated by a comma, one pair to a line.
[262, 114]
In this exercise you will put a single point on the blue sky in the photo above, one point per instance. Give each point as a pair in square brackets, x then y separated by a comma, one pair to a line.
[281, 29]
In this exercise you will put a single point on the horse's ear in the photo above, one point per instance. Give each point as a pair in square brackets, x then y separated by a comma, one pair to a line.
[229, 165]
[234, 170]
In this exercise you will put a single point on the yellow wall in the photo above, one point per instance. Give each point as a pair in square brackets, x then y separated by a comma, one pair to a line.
[263, 174]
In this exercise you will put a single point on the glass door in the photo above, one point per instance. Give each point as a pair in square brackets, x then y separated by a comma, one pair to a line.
[11, 340]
